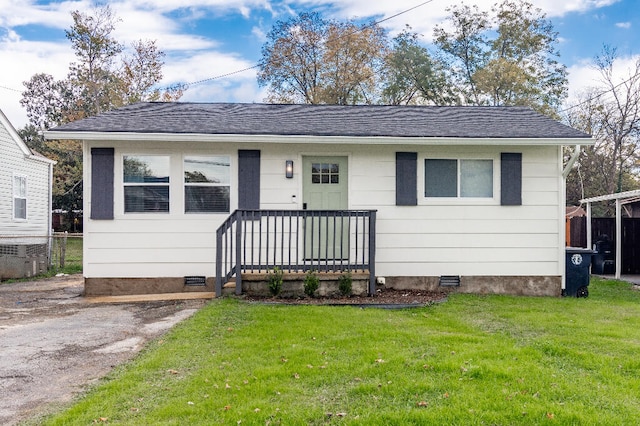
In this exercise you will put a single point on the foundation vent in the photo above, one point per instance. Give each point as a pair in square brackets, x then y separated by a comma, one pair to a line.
[195, 280]
[450, 281]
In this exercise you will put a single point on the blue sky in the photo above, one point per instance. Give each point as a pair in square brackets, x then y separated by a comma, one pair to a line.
[208, 38]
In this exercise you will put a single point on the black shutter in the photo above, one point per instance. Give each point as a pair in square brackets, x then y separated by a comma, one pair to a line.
[249, 179]
[511, 179]
[102, 183]
[406, 178]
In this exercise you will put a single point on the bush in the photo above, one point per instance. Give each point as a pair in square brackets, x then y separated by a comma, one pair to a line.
[275, 281]
[344, 284]
[311, 284]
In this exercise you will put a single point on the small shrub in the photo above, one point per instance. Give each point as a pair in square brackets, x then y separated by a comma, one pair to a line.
[275, 281]
[344, 284]
[311, 284]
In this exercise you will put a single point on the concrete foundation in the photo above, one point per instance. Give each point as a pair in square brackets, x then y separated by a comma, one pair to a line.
[513, 285]
[131, 286]
[293, 285]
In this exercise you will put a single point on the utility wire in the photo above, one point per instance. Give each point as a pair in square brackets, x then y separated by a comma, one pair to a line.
[188, 85]
[10, 88]
[597, 95]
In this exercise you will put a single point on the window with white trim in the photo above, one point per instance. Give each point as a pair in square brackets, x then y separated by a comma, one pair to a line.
[146, 183]
[20, 197]
[458, 178]
[206, 184]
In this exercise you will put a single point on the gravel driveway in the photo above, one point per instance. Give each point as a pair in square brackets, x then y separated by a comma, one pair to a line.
[54, 343]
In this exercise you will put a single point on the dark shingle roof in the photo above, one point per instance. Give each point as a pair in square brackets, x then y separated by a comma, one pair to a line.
[326, 120]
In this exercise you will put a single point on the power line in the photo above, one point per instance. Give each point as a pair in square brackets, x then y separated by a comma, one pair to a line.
[10, 88]
[597, 95]
[343, 36]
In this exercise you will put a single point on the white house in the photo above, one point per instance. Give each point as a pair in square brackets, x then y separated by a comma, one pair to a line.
[471, 198]
[25, 206]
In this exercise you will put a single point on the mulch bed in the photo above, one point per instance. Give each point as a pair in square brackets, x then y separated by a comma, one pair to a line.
[387, 298]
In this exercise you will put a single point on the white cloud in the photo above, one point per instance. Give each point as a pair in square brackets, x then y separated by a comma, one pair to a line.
[584, 75]
[259, 34]
[624, 25]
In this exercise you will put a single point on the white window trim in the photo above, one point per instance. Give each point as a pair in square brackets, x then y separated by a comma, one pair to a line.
[16, 196]
[458, 200]
[124, 184]
[212, 184]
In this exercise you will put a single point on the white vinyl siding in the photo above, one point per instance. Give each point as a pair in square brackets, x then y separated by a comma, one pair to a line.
[463, 236]
[14, 162]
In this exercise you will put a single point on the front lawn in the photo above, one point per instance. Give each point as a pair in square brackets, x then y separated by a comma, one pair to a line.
[472, 360]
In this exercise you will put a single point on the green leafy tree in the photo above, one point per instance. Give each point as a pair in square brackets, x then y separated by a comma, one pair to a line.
[100, 79]
[517, 64]
[291, 64]
[413, 76]
[308, 59]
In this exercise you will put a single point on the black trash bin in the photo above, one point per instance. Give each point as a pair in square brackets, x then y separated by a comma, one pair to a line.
[577, 268]
[603, 260]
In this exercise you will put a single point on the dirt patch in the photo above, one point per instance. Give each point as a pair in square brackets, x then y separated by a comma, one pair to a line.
[55, 343]
[388, 298]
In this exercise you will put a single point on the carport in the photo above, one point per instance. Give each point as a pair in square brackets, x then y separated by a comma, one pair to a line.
[623, 200]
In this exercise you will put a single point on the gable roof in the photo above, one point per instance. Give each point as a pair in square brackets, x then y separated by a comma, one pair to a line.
[323, 120]
[28, 152]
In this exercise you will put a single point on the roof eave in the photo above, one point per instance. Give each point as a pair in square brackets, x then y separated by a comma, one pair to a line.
[310, 139]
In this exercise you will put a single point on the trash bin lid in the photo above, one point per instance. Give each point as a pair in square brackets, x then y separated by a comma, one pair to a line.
[580, 250]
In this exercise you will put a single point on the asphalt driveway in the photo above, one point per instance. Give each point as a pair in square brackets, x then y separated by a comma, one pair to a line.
[54, 343]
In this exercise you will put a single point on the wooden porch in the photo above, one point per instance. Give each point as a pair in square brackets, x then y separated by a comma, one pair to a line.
[295, 241]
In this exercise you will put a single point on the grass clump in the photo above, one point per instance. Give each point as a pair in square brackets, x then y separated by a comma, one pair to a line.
[311, 284]
[275, 281]
[473, 360]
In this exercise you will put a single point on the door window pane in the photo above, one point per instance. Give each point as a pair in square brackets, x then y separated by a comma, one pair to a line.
[325, 173]
[440, 178]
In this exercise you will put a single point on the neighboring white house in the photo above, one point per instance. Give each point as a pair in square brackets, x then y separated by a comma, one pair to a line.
[466, 196]
[25, 206]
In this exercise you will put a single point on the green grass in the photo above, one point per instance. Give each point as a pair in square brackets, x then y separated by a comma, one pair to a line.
[473, 360]
[72, 256]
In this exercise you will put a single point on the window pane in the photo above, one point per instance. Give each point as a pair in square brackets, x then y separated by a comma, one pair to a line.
[20, 186]
[20, 208]
[207, 169]
[440, 178]
[476, 178]
[206, 199]
[146, 168]
[138, 199]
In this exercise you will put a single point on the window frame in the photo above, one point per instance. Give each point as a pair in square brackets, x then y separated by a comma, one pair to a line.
[494, 199]
[16, 196]
[146, 184]
[185, 184]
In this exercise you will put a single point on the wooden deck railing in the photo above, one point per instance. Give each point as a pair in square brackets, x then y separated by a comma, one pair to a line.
[295, 241]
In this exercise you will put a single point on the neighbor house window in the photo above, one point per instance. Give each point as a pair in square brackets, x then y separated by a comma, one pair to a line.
[458, 178]
[20, 197]
[206, 184]
[146, 183]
